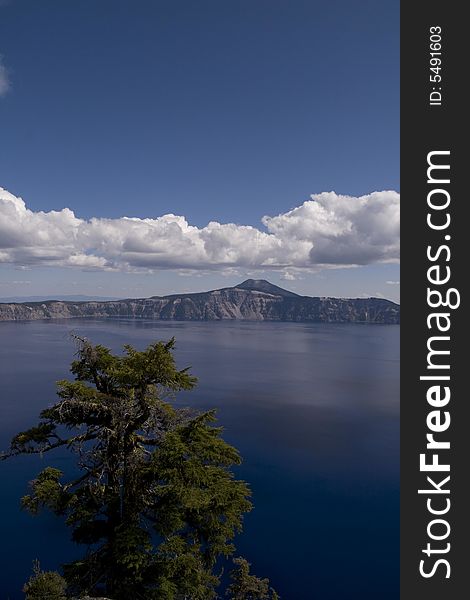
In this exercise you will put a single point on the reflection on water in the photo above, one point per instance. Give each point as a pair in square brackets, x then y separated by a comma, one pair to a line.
[313, 409]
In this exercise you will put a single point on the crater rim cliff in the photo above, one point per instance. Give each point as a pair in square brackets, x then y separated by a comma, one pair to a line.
[251, 300]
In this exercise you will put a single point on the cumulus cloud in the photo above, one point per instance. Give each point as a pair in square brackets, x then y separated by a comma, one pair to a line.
[288, 276]
[327, 231]
[392, 282]
[291, 274]
[344, 229]
[4, 80]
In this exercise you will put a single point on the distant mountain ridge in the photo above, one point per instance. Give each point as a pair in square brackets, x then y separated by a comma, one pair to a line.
[61, 297]
[251, 300]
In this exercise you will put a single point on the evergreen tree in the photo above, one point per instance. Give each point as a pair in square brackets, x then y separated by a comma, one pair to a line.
[246, 586]
[156, 502]
[44, 585]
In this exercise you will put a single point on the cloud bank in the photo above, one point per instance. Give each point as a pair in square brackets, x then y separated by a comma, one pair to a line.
[328, 231]
[4, 80]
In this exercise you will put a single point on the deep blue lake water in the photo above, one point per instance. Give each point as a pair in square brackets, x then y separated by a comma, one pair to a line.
[313, 409]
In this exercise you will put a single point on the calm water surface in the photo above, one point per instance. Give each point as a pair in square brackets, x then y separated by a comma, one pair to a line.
[313, 409]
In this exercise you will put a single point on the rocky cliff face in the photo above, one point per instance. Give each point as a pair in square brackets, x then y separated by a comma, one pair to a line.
[252, 300]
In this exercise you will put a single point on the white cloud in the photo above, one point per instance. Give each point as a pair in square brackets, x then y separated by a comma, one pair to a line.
[344, 229]
[288, 276]
[291, 275]
[327, 231]
[4, 80]
[392, 282]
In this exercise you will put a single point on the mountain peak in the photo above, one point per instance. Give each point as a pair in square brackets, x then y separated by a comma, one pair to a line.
[261, 285]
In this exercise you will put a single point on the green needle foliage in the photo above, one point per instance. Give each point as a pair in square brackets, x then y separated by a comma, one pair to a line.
[246, 586]
[44, 585]
[156, 503]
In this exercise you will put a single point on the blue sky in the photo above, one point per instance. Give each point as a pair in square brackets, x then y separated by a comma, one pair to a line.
[223, 111]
